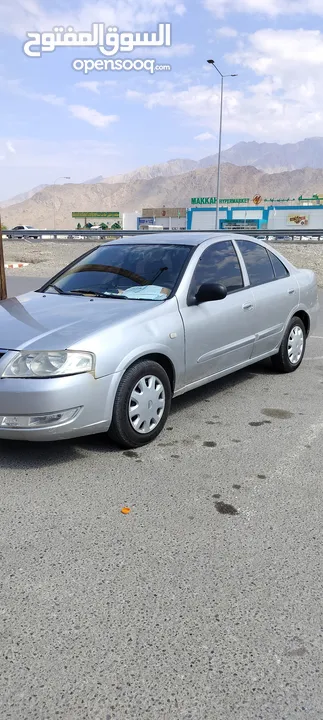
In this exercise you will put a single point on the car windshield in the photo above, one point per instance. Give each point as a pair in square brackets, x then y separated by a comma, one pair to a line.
[128, 271]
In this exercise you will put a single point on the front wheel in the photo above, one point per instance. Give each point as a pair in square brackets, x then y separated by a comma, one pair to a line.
[142, 405]
[292, 349]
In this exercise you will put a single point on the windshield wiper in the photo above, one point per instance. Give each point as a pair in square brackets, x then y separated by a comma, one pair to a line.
[160, 272]
[58, 289]
[92, 293]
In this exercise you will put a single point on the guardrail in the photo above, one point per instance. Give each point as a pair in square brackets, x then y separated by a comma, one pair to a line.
[61, 236]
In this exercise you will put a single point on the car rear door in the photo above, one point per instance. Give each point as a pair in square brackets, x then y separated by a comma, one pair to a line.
[276, 294]
[217, 334]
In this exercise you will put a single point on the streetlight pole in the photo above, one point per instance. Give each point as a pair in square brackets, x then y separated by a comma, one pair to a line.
[211, 62]
[63, 177]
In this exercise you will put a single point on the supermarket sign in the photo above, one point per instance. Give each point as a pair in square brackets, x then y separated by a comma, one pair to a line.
[223, 201]
[95, 215]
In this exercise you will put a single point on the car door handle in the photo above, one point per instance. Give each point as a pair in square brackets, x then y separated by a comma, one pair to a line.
[291, 291]
[247, 306]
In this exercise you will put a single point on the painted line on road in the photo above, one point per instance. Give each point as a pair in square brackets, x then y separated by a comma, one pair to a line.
[320, 357]
[316, 337]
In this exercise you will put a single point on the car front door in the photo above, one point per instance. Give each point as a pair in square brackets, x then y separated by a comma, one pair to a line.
[276, 295]
[217, 333]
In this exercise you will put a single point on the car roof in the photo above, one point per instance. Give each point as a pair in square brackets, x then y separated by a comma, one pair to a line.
[175, 238]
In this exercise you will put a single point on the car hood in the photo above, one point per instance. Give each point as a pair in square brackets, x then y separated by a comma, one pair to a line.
[55, 322]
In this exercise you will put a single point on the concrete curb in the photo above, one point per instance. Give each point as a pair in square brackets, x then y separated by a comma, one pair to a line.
[14, 266]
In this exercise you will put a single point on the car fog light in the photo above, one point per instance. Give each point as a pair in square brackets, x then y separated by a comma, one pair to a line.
[38, 421]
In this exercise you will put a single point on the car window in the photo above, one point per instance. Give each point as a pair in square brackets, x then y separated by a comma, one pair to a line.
[218, 264]
[256, 258]
[135, 271]
[279, 268]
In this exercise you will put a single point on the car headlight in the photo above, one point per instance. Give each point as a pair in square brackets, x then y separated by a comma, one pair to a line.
[51, 363]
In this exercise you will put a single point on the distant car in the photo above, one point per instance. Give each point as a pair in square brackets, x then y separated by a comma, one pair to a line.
[108, 342]
[22, 237]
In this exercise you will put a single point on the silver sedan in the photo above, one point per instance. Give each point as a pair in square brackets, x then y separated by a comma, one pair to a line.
[107, 343]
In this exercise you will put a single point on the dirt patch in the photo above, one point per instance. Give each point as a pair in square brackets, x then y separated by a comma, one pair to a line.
[45, 259]
[304, 256]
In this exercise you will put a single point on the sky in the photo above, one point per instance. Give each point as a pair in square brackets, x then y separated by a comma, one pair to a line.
[57, 121]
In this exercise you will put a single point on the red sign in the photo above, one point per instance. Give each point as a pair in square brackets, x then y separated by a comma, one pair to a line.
[257, 199]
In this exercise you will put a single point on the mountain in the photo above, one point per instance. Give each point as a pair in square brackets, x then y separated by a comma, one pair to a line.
[171, 191]
[269, 157]
[167, 169]
[20, 198]
[94, 181]
[272, 157]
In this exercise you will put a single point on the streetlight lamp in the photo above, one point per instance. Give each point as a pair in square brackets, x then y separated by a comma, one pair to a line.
[211, 62]
[63, 177]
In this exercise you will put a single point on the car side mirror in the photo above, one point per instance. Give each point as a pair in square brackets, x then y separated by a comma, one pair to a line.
[208, 292]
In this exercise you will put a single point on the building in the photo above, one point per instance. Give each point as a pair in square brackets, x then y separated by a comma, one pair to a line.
[167, 218]
[130, 220]
[243, 214]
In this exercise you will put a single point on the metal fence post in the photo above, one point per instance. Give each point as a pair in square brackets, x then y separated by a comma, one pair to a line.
[3, 281]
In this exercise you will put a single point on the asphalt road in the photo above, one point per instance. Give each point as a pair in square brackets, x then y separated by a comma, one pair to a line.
[18, 285]
[175, 611]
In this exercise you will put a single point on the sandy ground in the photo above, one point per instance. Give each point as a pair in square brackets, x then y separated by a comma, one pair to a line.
[46, 259]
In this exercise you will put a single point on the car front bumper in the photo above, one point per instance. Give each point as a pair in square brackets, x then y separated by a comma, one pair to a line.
[93, 399]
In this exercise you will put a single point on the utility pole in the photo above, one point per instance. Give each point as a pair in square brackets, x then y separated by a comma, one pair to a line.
[3, 281]
[217, 220]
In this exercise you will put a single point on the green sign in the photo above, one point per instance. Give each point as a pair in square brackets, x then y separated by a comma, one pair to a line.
[223, 201]
[317, 198]
[95, 215]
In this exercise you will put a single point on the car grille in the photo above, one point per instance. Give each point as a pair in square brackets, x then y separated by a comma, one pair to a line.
[2, 353]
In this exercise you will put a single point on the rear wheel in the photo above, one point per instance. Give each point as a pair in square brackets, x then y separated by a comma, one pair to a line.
[292, 348]
[141, 406]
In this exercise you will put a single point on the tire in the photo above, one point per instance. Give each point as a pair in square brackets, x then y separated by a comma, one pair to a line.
[283, 362]
[122, 430]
